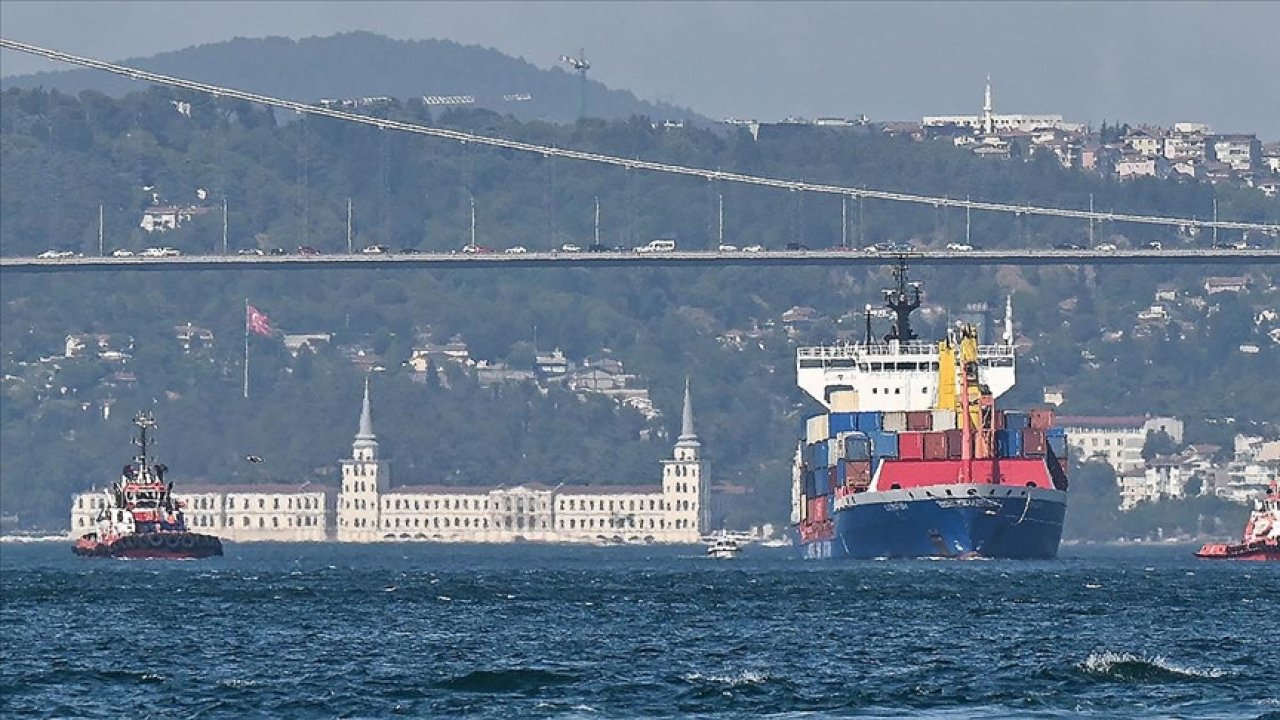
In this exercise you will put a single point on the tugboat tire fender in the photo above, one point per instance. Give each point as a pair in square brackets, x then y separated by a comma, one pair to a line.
[187, 542]
[155, 540]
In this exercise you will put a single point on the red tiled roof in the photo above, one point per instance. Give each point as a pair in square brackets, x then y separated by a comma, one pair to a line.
[439, 490]
[609, 489]
[200, 489]
[1101, 421]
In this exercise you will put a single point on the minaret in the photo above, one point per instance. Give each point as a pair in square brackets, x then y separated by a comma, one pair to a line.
[988, 118]
[364, 479]
[688, 438]
[684, 483]
[366, 445]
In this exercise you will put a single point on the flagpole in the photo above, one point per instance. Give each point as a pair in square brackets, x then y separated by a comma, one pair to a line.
[246, 348]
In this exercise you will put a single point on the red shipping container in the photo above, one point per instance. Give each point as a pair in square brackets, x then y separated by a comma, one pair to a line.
[1033, 442]
[920, 420]
[911, 445]
[935, 446]
[955, 443]
[817, 510]
[1042, 419]
[857, 473]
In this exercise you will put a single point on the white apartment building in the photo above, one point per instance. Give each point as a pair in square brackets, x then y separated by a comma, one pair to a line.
[1117, 441]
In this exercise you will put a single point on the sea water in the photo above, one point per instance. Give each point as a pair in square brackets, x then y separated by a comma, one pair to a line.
[524, 631]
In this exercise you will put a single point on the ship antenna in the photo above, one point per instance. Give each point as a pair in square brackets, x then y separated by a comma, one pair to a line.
[143, 420]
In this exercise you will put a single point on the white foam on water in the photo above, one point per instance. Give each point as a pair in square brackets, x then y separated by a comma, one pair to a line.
[34, 538]
[1102, 663]
[746, 677]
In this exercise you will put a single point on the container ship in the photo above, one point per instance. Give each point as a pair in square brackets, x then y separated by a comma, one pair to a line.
[1261, 539]
[141, 518]
[912, 457]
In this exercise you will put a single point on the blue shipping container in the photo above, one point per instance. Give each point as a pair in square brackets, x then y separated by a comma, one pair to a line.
[1009, 443]
[821, 455]
[869, 421]
[1058, 446]
[884, 445]
[1015, 420]
[841, 475]
[857, 447]
[841, 422]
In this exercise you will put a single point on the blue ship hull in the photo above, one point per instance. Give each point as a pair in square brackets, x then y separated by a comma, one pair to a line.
[1026, 524]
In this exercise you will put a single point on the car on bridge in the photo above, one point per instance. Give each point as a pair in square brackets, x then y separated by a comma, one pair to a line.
[1155, 245]
[410, 251]
[570, 248]
[753, 248]
[56, 255]
[121, 252]
[159, 252]
[959, 247]
[724, 247]
[657, 246]
[516, 250]
[277, 251]
[250, 251]
[473, 249]
[1105, 247]
[307, 250]
[1067, 246]
[376, 250]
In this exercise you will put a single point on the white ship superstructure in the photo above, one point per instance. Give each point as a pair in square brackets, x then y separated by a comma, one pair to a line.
[897, 373]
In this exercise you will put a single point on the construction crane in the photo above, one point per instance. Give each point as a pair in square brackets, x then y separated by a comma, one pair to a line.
[580, 66]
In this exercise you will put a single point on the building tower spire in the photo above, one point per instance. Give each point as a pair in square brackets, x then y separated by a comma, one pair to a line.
[988, 110]
[688, 438]
[364, 436]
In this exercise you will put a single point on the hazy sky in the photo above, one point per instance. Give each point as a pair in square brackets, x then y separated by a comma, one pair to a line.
[1159, 62]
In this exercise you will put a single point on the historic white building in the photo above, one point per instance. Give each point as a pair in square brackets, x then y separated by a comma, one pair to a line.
[675, 511]
[369, 509]
[242, 513]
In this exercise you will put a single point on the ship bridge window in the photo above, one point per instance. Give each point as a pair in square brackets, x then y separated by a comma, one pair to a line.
[877, 367]
[810, 363]
[842, 363]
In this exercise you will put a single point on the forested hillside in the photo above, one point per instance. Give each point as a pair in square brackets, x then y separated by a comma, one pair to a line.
[361, 65]
[288, 184]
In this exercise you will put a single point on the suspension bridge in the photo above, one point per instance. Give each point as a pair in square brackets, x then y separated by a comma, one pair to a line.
[631, 163]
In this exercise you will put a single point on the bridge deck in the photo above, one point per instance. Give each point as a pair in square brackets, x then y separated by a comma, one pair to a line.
[634, 259]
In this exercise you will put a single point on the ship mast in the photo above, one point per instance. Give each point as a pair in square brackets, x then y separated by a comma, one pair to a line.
[902, 300]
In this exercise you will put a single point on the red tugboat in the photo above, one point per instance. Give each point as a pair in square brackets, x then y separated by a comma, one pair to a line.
[141, 518]
[1261, 534]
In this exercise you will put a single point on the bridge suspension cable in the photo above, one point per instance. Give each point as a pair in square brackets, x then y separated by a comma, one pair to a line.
[628, 163]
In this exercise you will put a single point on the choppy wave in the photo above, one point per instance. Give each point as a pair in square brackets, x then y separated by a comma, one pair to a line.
[309, 632]
[1129, 667]
[511, 680]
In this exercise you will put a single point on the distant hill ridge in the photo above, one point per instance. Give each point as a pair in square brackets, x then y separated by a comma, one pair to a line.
[363, 64]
